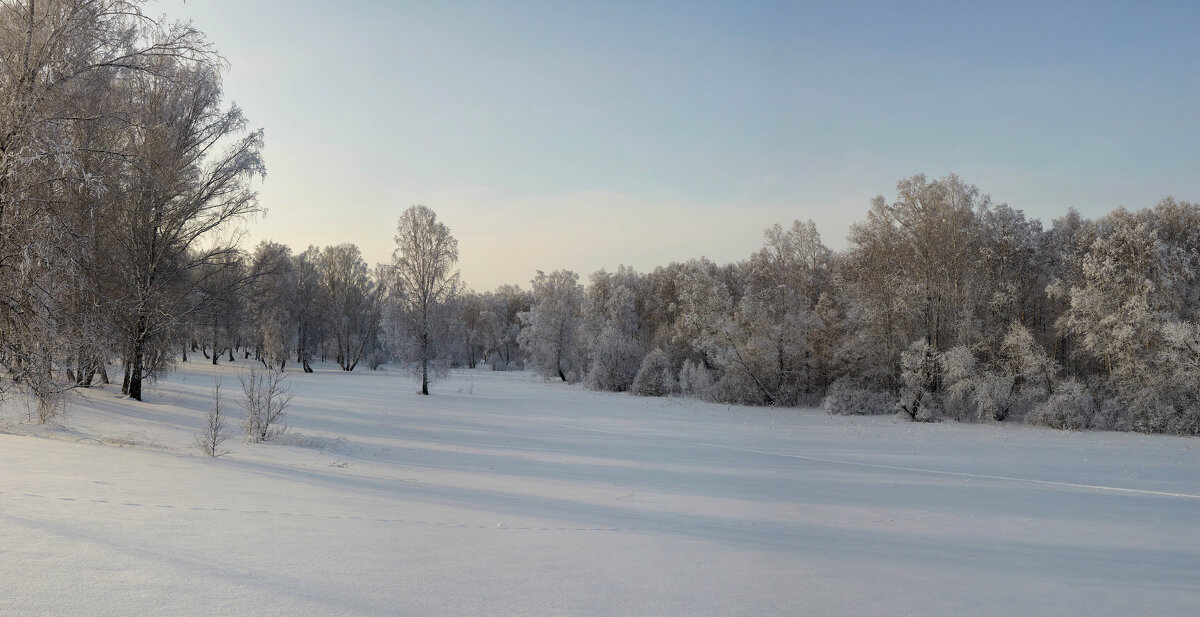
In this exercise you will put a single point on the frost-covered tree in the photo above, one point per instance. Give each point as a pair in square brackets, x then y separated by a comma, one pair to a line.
[1117, 306]
[271, 303]
[86, 86]
[310, 306]
[425, 282]
[1178, 379]
[920, 380]
[475, 327]
[502, 326]
[611, 328]
[354, 303]
[191, 163]
[221, 315]
[550, 329]
[911, 272]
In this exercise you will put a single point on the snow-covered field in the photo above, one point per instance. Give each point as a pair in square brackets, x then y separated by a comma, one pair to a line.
[502, 494]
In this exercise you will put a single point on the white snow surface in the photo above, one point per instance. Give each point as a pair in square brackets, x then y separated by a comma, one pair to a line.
[503, 494]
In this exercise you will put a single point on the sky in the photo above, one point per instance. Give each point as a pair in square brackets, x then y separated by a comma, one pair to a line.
[585, 136]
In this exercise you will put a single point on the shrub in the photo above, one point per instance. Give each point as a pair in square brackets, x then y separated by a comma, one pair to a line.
[615, 360]
[1070, 407]
[845, 397]
[655, 377]
[265, 397]
[696, 381]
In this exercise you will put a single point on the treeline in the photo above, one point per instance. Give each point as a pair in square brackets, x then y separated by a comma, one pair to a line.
[944, 305]
[124, 181]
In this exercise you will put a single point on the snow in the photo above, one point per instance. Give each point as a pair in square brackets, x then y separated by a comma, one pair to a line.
[503, 494]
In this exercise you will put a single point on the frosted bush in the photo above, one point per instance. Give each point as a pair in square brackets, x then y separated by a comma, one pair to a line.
[696, 381]
[655, 377]
[1070, 406]
[615, 361]
[845, 397]
[962, 381]
[918, 377]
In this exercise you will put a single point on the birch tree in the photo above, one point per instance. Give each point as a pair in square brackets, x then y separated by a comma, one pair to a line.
[425, 281]
[550, 329]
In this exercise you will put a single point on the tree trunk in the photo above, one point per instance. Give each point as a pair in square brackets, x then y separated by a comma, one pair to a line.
[125, 381]
[425, 364]
[135, 372]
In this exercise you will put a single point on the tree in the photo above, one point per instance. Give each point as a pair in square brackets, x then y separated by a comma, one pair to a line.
[66, 69]
[310, 302]
[353, 306]
[272, 304]
[421, 264]
[214, 432]
[550, 328]
[502, 325]
[611, 328]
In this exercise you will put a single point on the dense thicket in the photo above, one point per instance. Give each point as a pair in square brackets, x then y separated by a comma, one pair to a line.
[944, 305]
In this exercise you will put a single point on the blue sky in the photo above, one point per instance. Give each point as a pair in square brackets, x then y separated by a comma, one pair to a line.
[559, 135]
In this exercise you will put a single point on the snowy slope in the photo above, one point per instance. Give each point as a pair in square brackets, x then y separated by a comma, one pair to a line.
[502, 494]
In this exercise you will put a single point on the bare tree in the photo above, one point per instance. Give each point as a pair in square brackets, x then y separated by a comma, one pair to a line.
[265, 397]
[183, 192]
[64, 66]
[214, 432]
[352, 302]
[425, 253]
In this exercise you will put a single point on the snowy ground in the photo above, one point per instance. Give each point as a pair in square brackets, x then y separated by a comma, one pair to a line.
[505, 495]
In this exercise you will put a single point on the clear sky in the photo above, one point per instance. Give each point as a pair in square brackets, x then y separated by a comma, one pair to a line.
[559, 135]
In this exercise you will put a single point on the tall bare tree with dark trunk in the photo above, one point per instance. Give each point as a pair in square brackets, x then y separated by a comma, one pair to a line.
[183, 192]
[64, 68]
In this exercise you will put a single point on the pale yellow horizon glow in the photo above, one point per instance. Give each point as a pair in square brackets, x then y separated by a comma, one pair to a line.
[506, 240]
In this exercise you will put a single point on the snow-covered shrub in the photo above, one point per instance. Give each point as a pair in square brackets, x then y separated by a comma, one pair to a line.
[1070, 406]
[615, 361]
[845, 397]
[961, 381]
[1177, 379]
[655, 377]
[312, 442]
[265, 397]
[738, 386]
[1019, 378]
[918, 379]
[696, 381]
[1150, 410]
